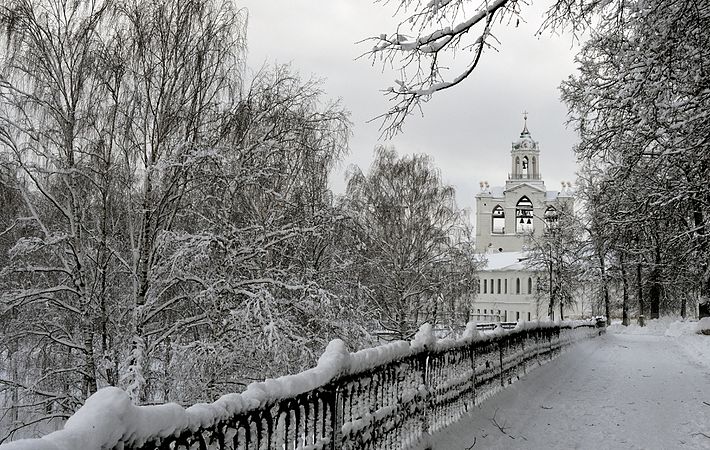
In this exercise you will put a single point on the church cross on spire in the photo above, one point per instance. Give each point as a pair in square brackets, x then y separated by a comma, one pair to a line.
[525, 127]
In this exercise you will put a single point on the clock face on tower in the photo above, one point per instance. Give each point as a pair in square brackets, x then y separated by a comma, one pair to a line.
[526, 144]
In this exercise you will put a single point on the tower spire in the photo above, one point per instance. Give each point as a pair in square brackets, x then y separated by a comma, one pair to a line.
[525, 126]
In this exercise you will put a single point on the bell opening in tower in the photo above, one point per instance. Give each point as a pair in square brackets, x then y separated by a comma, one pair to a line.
[524, 222]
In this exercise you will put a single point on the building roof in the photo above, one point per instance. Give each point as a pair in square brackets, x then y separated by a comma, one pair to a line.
[526, 141]
[492, 191]
[498, 192]
[504, 261]
[565, 192]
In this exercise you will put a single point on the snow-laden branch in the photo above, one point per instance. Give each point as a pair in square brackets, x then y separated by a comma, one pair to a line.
[31, 295]
[419, 57]
[438, 39]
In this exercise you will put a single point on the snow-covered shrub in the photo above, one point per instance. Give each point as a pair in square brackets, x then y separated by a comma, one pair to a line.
[703, 326]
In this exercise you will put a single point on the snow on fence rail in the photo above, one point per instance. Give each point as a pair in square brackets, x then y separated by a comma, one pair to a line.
[391, 396]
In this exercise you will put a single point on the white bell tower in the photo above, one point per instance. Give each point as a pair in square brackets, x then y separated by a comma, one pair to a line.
[525, 157]
[506, 215]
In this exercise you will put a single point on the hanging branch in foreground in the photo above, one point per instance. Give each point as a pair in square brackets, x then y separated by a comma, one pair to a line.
[440, 27]
[434, 33]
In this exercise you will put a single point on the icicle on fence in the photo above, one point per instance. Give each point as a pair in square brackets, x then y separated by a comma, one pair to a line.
[388, 397]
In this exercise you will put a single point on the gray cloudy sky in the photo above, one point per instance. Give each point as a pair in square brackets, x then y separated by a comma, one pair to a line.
[467, 129]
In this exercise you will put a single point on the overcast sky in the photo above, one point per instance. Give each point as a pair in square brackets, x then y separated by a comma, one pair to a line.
[468, 129]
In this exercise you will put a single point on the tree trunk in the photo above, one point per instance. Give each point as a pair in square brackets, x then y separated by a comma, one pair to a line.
[625, 292]
[683, 306]
[90, 384]
[605, 287]
[14, 376]
[655, 295]
[551, 306]
[699, 222]
[639, 289]
[142, 266]
[167, 378]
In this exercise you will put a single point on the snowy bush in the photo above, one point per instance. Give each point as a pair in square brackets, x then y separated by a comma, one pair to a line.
[703, 326]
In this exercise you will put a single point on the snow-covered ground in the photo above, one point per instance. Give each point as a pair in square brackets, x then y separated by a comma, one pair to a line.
[682, 332]
[634, 388]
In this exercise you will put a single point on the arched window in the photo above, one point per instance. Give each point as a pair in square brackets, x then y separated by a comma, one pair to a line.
[506, 285]
[524, 216]
[498, 220]
[485, 286]
[517, 285]
[517, 165]
[534, 167]
[498, 285]
[551, 216]
[525, 170]
[529, 285]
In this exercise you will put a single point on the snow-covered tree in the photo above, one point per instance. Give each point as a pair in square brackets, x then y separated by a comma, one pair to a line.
[557, 257]
[179, 71]
[52, 111]
[249, 274]
[640, 104]
[413, 252]
[166, 223]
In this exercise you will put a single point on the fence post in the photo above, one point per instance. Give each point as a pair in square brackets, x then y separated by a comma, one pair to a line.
[336, 417]
[523, 356]
[472, 352]
[500, 359]
[426, 401]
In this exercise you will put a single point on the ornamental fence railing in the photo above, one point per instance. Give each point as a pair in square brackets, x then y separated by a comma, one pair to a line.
[388, 397]
[524, 176]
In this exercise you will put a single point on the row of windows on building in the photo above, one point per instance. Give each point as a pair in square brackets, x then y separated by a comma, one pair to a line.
[493, 286]
[501, 315]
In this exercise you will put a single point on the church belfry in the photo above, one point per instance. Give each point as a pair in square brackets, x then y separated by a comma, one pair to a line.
[506, 215]
[525, 156]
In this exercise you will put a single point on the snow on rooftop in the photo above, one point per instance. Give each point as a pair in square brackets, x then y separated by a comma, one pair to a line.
[492, 191]
[505, 261]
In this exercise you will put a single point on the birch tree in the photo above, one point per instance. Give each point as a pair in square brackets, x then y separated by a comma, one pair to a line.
[50, 100]
[248, 273]
[410, 232]
[180, 76]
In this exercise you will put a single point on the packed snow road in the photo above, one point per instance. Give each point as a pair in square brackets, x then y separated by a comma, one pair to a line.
[613, 392]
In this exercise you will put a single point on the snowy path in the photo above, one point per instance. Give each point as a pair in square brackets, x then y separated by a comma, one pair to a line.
[614, 392]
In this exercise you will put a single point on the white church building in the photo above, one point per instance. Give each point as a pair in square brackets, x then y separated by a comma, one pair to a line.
[505, 216]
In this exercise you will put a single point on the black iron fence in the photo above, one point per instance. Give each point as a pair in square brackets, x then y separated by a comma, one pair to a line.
[390, 397]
